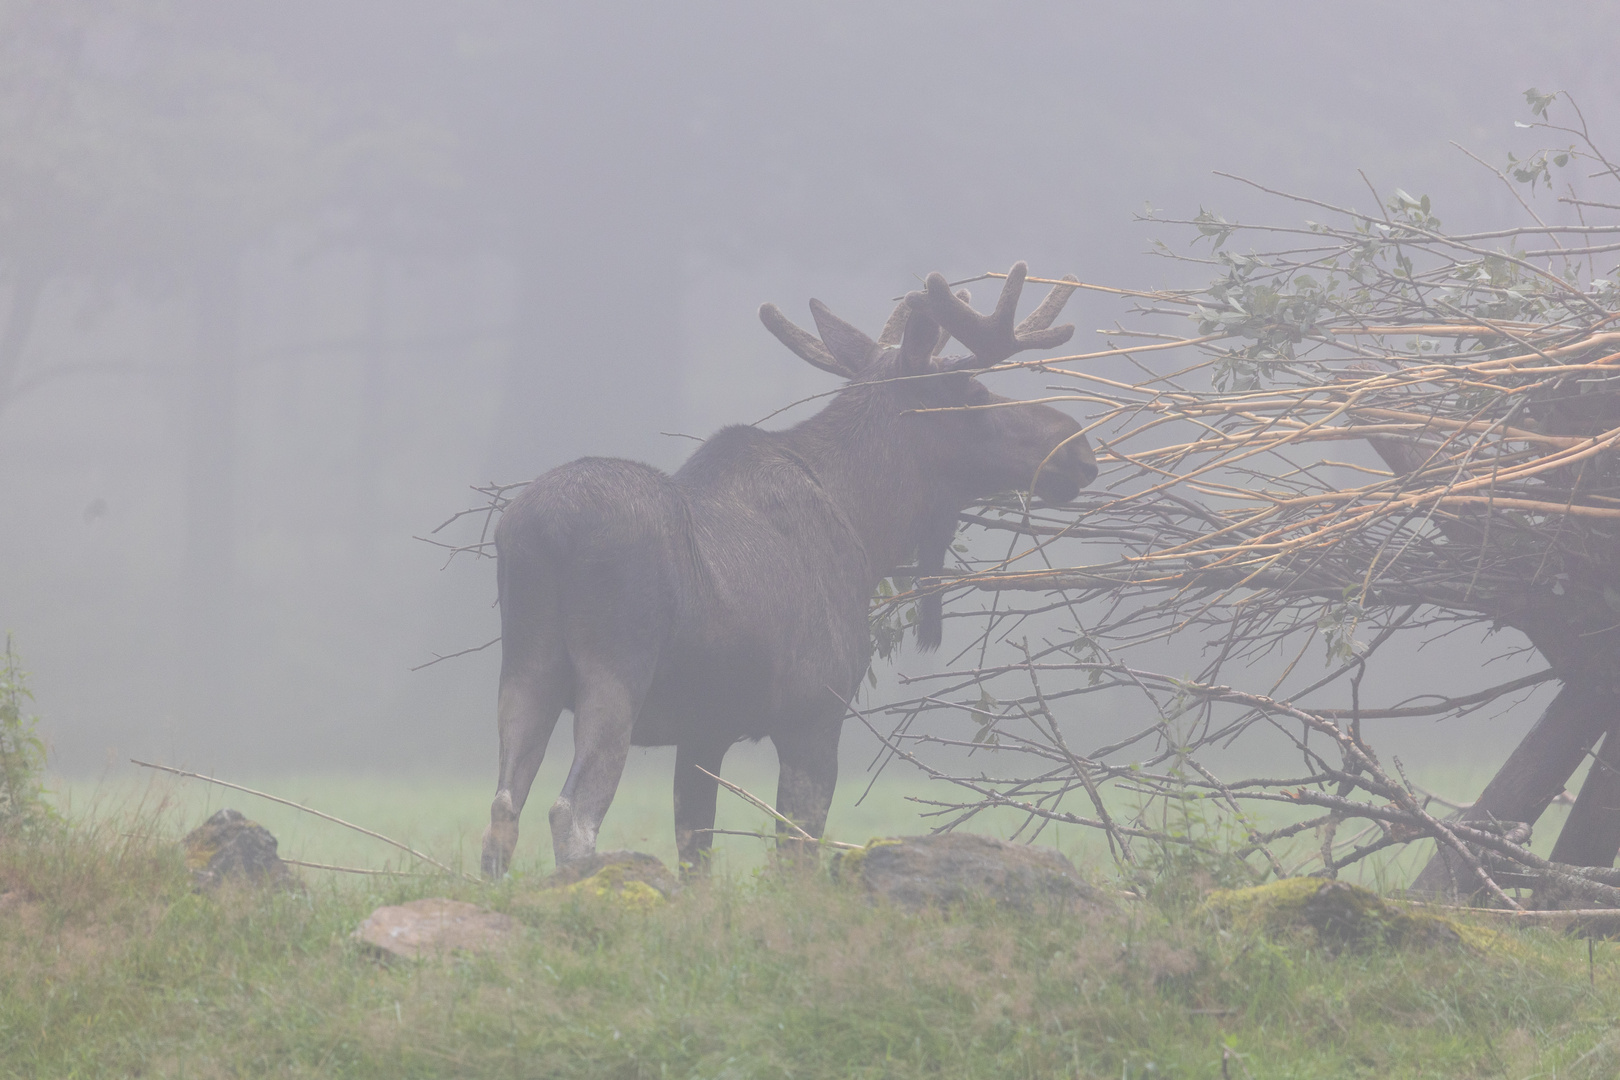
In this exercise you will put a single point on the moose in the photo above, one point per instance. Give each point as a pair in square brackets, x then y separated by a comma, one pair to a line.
[729, 601]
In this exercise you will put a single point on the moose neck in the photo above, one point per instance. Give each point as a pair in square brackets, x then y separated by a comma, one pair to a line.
[857, 450]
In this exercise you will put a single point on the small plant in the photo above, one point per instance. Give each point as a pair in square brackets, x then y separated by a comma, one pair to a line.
[1200, 846]
[22, 753]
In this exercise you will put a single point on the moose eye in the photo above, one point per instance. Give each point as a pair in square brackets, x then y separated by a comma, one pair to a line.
[974, 392]
[952, 390]
[958, 389]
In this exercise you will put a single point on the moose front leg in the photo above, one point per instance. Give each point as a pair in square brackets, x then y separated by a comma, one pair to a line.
[695, 796]
[808, 759]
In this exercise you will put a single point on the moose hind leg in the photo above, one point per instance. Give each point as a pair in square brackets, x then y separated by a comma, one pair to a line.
[604, 715]
[532, 697]
[694, 801]
[808, 760]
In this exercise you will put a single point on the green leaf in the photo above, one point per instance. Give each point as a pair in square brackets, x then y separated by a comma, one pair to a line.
[1538, 102]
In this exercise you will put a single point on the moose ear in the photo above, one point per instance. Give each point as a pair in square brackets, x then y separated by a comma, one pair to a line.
[852, 349]
[922, 333]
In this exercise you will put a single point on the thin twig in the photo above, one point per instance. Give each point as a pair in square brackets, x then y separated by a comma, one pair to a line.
[430, 860]
[760, 804]
[451, 656]
[353, 869]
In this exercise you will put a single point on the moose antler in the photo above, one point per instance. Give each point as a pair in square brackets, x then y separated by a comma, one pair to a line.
[842, 350]
[845, 351]
[993, 338]
[800, 341]
[921, 338]
[895, 328]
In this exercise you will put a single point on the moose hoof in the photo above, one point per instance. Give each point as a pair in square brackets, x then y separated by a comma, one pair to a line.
[497, 854]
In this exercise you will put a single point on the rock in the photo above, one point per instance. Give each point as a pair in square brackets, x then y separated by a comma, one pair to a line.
[230, 847]
[638, 880]
[436, 927]
[1339, 915]
[917, 871]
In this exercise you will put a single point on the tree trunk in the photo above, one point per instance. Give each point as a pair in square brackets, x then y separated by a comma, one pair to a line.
[1591, 836]
[1534, 774]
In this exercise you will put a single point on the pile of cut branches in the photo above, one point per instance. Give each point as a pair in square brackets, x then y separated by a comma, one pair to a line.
[1378, 429]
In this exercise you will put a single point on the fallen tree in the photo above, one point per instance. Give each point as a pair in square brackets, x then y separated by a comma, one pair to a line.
[1378, 429]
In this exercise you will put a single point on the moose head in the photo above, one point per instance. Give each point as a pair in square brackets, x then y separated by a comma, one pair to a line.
[947, 439]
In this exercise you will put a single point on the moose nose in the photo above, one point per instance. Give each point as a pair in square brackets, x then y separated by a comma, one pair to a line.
[1071, 468]
[1088, 469]
[1085, 462]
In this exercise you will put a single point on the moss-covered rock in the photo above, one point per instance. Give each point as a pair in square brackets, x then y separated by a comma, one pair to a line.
[846, 863]
[1339, 915]
[229, 847]
[637, 880]
[949, 868]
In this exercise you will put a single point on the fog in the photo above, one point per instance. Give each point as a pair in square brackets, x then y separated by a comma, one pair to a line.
[279, 281]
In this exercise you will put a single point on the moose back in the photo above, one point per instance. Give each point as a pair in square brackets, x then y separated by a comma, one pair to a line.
[729, 601]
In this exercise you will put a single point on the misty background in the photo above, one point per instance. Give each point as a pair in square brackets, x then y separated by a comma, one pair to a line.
[279, 281]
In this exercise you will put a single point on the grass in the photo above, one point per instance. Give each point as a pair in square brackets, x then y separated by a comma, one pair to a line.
[446, 814]
[110, 965]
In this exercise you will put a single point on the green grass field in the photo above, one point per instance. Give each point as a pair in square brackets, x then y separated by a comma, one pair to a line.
[110, 965]
[445, 815]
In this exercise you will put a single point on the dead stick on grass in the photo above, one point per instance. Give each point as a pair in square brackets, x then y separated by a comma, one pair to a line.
[737, 832]
[761, 804]
[351, 869]
[308, 810]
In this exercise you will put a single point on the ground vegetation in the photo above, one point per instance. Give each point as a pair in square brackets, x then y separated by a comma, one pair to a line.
[112, 963]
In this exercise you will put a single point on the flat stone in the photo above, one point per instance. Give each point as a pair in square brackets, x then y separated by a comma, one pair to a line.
[436, 927]
[230, 847]
[950, 868]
